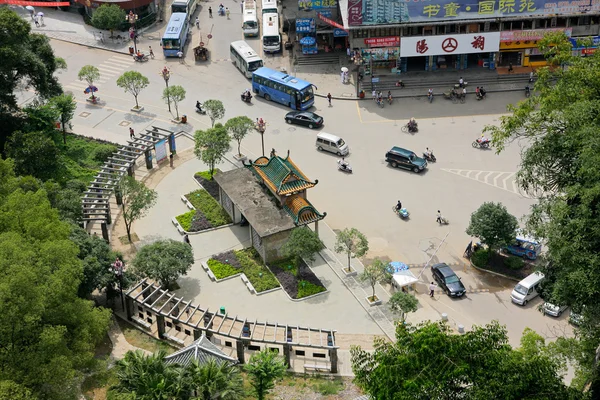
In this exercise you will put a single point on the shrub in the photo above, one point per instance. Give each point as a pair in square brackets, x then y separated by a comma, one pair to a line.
[221, 270]
[213, 211]
[261, 278]
[205, 175]
[306, 288]
[513, 262]
[193, 221]
[480, 258]
[102, 152]
[291, 278]
[227, 257]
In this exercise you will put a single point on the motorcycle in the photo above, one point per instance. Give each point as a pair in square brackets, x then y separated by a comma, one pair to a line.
[430, 156]
[527, 91]
[344, 166]
[141, 58]
[442, 220]
[402, 213]
[481, 144]
[410, 128]
[199, 108]
[221, 11]
[246, 98]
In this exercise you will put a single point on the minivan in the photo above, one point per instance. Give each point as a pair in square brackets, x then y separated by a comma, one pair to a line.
[399, 157]
[332, 144]
[529, 288]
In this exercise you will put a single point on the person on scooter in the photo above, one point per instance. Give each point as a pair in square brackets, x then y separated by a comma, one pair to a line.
[482, 139]
[343, 163]
[260, 124]
[427, 153]
[139, 55]
[439, 217]
[399, 206]
[246, 95]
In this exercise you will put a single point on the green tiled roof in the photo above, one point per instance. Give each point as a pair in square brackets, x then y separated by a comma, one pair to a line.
[280, 174]
[301, 210]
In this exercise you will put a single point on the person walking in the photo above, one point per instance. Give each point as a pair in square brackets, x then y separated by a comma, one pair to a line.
[32, 13]
[242, 7]
[180, 56]
[510, 68]
[432, 288]
[131, 133]
[227, 12]
[197, 23]
[461, 82]
[439, 217]
[151, 51]
[210, 12]
[37, 22]
[374, 95]
[329, 98]
[186, 239]
[171, 160]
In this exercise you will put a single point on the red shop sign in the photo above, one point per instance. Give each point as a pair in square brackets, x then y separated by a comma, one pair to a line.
[387, 41]
[588, 51]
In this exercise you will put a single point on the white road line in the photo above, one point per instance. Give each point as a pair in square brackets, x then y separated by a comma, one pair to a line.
[110, 68]
[118, 63]
[477, 176]
[75, 86]
[515, 189]
[511, 174]
[496, 179]
[486, 177]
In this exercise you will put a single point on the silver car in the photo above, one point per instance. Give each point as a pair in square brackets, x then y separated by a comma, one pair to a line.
[553, 310]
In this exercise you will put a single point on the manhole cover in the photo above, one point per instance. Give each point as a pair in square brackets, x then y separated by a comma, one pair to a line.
[124, 123]
[84, 114]
[291, 129]
[275, 132]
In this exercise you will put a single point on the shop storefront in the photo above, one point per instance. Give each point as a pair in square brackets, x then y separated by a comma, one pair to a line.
[307, 32]
[519, 48]
[322, 13]
[585, 46]
[430, 53]
[381, 54]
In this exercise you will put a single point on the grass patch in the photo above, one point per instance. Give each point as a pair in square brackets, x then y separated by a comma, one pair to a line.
[259, 275]
[221, 270]
[296, 278]
[306, 289]
[82, 157]
[204, 202]
[137, 338]
[96, 385]
[327, 387]
[205, 175]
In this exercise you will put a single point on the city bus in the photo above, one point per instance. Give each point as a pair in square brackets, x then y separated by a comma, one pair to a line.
[250, 24]
[283, 88]
[245, 58]
[184, 6]
[270, 33]
[269, 7]
[175, 35]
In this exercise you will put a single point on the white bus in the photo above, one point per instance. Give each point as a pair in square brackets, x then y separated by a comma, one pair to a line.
[269, 7]
[250, 25]
[184, 6]
[270, 33]
[245, 58]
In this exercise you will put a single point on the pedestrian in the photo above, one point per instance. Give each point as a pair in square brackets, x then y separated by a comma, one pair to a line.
[242, 7]
[171, 160]
[461, 82]
[439, 217]
[531, 77]
[329, 98]
[151, 51]
[210, 12]
[349, 53]
[131, 134]
[510, 68]
[432, 289]
[197, 23]
[42, 20]
[374, 95]
[186, 239]
[37, 22]
[227, 12]
[180, 56]
[464, 93]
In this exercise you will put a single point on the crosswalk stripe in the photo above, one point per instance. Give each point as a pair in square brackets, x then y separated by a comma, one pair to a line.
[123, 62]
[109, 69]
[75, 86]
[496, 179]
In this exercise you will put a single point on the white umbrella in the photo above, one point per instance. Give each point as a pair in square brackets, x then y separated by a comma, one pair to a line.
[344, 69]
[40, 14]
[29, 8]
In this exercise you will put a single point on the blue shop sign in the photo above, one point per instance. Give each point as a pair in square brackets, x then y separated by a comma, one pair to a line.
[339, 33]
[304, 25]
[595, 42]
[316, 4]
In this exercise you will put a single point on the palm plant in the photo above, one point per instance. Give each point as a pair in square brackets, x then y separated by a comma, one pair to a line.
[215, 379]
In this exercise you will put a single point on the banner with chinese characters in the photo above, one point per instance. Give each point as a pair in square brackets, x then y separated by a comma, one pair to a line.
[387, 41]
[415, 46]
[379, 54]
[370, 12]
[316, 4]
[532, 34]
[305, 25]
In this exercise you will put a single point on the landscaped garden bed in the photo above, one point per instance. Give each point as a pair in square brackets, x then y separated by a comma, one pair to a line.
[204, 179]
[296, 278]
[511, 266]
[208, 213]
[245, 261]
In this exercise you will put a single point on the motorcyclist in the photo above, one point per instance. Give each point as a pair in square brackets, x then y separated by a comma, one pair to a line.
[246, 95]
[482, 92]
[139, 55]
[427, 152]
[261, 124]
[198, 105]
[439, 217]
[482, 139]
[399, 206]
[343, 163]
[389, 96]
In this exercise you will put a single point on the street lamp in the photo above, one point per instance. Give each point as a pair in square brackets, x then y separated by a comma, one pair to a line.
[117, 269]
[166, 74]
[132, 19]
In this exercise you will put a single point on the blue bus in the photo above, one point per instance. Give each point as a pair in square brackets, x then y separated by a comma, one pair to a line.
[175, 35]
[283, 88]
[184, 6]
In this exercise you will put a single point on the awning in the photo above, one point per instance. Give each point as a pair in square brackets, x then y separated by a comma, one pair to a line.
[36, 3]
[404, 278]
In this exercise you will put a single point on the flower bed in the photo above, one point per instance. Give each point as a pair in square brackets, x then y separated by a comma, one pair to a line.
[212, 187]
[193, 221]
[297, 280]
[204, 202]
[247, 261]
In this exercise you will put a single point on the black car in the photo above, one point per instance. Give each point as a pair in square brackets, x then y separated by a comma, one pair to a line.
[305, 118]
[398, 157]
[448, 280]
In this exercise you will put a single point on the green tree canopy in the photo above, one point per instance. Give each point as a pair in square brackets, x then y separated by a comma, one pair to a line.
[214, 109]
[373, 274]
[403, 303]
[89, 74]
[493, 225]
[65, 106]
[34, 153]
[133, 82]
[108, 16]
[176, 94]
[429, 361]
[303, 243]
[211, 145]
[164, 261]
[238, 128]
[137, 200]
[352, 242]
[263, 369]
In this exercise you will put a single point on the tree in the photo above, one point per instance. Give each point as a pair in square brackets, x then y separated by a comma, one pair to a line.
[137, 199]
[33, 153]
[215, 379]
[493, 225]
[351, 242]
[10, 390]
[238, 128]
[214, 110]
[108, 16]
[302, 243]
[176, 94]
[65, 105]
[132, 82]
[403, 303]
[263, 368]
[164, 261]
[429, 361]
[373, 274]
[90, 74]
[211, 146]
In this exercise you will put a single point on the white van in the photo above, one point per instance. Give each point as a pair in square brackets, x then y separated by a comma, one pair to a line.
[331, 143]
[527, 289]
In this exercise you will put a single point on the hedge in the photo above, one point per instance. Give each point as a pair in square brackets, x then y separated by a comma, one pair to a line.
[203, 201]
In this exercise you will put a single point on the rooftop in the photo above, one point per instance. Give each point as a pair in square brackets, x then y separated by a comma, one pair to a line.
[201, 350]
[280, 175]
[301, 210]
[252, 201]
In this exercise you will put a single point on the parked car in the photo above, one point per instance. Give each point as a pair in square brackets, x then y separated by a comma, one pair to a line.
[448, 280]
[552, 309]
[399, 157]
[528, 289]
[304, 118]
[575, 318]
[524, 246]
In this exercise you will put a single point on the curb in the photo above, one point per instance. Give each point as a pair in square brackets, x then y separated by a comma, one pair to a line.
[407, 96]
[90, 46]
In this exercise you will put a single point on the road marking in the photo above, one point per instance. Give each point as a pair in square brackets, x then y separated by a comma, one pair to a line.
[505, 179]
[358, 112]
[491, 178]
[106, 69]
[486, 177]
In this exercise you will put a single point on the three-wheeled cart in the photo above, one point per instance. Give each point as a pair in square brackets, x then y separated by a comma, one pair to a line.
[200, 52]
